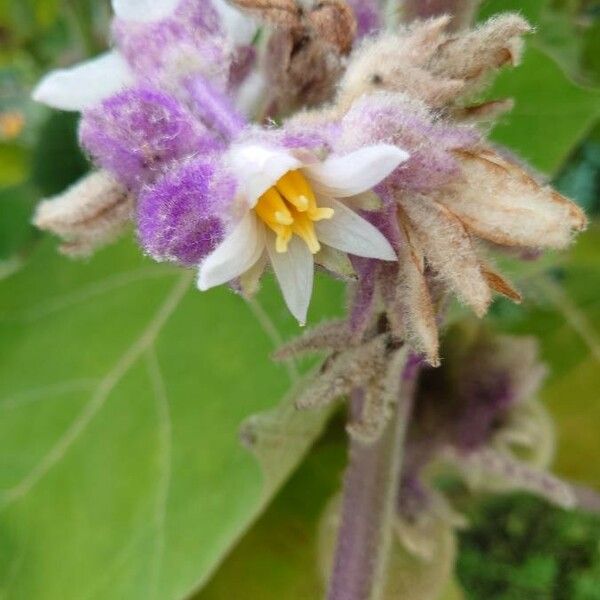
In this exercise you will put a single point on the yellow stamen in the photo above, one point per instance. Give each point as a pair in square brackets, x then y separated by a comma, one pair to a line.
[320, 214]
[271, 207]
[290, 207]
[303, 227]
[284, 235]
[304, 187]
[296, 190]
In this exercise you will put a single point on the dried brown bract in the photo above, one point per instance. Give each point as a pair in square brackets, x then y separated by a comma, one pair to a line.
[439, 68]
[494, 201]
[92, 213]
[281, 13]
[306, 51]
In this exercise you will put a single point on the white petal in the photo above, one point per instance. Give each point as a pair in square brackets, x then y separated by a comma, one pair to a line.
[86, 84]
[294, 270]
[354, 173]
[237, 253]
[144, 10]
[240, 28]
[259, 167]
[351, 233]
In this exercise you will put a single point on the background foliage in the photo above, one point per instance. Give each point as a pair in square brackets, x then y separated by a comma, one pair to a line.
[122, 390]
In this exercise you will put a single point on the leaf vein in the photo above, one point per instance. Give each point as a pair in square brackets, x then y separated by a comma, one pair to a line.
[165, 456]
[99, 397]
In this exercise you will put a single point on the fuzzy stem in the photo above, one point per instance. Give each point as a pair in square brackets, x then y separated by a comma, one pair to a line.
[462, 11]
[368, 507]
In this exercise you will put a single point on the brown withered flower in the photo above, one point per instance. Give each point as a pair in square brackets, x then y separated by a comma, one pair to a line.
[306, 49]
[442, 69]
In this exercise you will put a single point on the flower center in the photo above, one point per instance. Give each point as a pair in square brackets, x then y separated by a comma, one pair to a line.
[290, 207]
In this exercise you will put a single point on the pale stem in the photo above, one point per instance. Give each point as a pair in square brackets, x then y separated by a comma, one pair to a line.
[368, 507]
[462, 11]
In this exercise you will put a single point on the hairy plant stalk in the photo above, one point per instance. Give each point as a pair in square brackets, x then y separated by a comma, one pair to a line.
[369, 496]
[462, 11]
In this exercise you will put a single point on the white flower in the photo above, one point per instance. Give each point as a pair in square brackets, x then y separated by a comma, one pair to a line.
[90, 82]
[292, 207]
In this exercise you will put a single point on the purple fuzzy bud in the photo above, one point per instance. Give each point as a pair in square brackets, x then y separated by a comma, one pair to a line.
[136, 133]
[190, 41]
[183, 216]
[390, 118]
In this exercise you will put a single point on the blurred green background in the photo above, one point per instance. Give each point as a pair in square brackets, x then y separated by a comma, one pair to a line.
[122, 389]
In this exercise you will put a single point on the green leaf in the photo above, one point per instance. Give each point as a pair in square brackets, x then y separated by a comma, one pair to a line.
[13, 165]
[580, 179]
[530, 9]
[566, 30]
[122, 390]
[278, 557]
[551, 115]
[282, 435]
[57, 160]
[16, 232]
[519, 547]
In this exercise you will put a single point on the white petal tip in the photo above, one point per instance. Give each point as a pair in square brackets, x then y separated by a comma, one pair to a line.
[356, 172]
[300, 317]
[85, 84]
[386, 250]
[51, 92]
[300, 314]
[403, 156]
[389, 255]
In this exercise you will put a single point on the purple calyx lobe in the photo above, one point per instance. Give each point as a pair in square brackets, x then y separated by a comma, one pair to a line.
[183, 217]
[138, 133]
